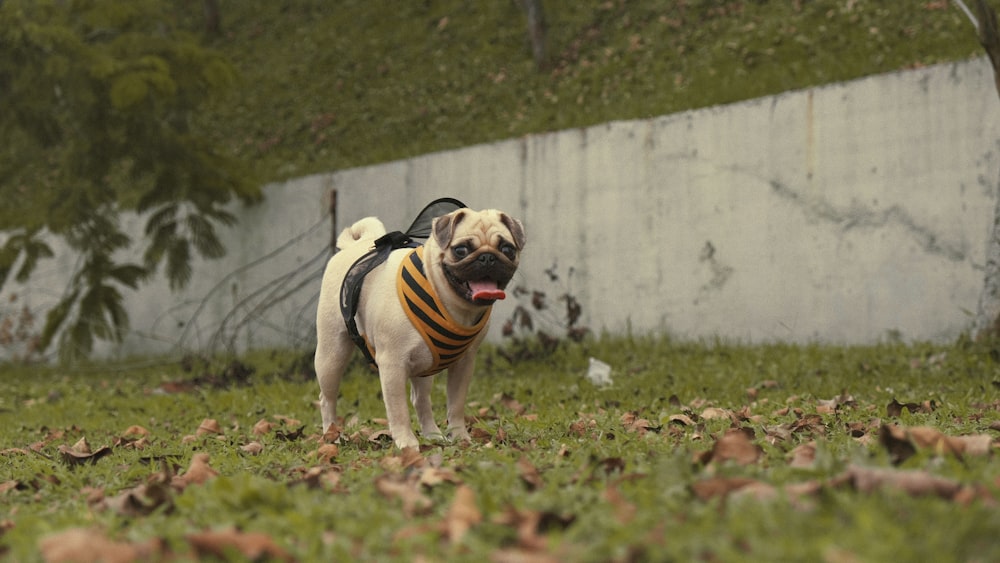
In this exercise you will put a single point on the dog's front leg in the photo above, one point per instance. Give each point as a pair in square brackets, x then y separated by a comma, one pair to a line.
[420, 394]
[393, 379]
[459, 378]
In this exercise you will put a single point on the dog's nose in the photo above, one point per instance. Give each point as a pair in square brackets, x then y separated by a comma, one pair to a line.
[487, 259]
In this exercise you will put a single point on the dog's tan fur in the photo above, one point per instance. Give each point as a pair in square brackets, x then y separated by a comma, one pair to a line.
[401, 351]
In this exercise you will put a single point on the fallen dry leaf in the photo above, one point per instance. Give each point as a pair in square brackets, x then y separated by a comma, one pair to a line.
[208, 426]
[80, 545]
[529, 474]
[912, 482]
[135, 430]
[408, 491]
[332, 434]
[711, 413]
[80, 452]
[719, 486]
[263, 426]
[895, 409]
[138, 501]
[326, 453]
[198, 472]
[462, 515]
[8, 486]
[255, 546]
[253, 448]
[734, 446]
[804, 455]
[903, 442]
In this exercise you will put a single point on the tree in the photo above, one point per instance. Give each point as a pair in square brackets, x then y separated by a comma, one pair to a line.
[99, 117]
[536, 29]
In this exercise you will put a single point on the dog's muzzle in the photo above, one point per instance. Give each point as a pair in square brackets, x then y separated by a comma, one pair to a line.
[481, 277]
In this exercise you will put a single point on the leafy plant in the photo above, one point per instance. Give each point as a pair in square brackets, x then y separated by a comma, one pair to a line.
[103, 98]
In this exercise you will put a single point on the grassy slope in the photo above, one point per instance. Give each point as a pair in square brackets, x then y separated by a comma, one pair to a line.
[336, 85]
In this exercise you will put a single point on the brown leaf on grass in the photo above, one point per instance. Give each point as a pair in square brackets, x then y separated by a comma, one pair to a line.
[711, 413]
[131, 443]
[255, 546]
[138, 501]
[253, 448]
[633, 423]
[912, 482]
[903, 442]
[462, 515]
[681, 419]
[326, 453]
[80, 452]
[895, 408]
[80, 545]
[8, 486]
[480, 435]
[198, 472]
[319, 478]
[510, 403]
[290, 435]
[331, 434]
[407, 490]
[406, 459]
[529, 474]
[804, 455]
[135, 430]
[208, 426]
[734, 445]
[262, 426]
[287, 420]
[531, 524]
[811, 424]
[719, 486]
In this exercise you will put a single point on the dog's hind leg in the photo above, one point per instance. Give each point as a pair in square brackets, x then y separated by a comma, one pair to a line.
[333, 352]
[420, 395]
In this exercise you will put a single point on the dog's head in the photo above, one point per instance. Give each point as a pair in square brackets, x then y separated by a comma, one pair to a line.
[480, 251]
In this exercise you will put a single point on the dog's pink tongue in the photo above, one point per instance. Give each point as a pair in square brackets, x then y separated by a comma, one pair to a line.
[486, 289]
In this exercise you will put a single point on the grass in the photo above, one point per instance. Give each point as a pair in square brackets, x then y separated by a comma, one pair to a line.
[558, 469]
[327, 88]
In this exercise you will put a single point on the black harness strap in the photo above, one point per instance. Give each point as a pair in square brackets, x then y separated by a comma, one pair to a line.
[350, 290]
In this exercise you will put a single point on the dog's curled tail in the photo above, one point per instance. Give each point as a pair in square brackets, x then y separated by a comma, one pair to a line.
[367, 228]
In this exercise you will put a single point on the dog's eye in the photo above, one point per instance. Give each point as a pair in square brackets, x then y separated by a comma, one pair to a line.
[509, 251]
[460, 251]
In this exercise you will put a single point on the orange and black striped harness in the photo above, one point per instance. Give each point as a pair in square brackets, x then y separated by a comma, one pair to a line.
[446, 339]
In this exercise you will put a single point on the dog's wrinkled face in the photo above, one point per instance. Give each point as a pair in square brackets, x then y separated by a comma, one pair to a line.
[480, 252]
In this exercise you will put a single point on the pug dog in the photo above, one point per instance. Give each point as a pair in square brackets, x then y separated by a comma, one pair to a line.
[422, 311]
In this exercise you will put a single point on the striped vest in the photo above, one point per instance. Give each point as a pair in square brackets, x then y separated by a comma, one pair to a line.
[446, 338]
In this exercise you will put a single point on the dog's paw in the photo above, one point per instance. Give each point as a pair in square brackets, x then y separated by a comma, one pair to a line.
[434, 436]
[459, 435]
[406, 440]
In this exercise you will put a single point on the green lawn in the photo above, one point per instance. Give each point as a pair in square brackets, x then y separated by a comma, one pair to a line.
[701, 451]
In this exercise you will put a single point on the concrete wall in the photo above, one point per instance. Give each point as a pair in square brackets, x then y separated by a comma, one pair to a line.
[845, 214]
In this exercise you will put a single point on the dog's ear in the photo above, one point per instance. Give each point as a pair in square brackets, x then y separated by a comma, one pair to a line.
[443, 227]
[516, 229]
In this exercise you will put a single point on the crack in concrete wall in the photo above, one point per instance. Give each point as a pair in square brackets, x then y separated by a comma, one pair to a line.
[858, 216]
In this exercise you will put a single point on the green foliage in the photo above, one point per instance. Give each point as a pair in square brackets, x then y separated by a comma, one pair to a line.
[104, 98]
